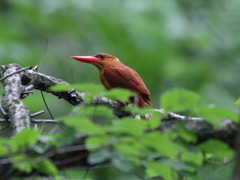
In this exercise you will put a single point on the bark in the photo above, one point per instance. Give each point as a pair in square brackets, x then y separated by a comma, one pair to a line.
[16, 112]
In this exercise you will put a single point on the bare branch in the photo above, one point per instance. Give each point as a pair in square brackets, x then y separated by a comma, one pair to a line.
[15, 72]
[35, 120]
[16, 111]
[44, 121]
[37, 113]
[225, 162]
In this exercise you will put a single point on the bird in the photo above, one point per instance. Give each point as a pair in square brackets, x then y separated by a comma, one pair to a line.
[114, 74]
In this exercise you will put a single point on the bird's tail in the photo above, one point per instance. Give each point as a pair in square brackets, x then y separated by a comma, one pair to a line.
[146, 99]
[141, 99]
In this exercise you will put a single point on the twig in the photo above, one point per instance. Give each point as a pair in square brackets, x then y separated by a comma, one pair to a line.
[27, 90]
[45, 103]
[35, 68]
[220, 163]
[37, 113]
[184, 118]
[44, 121]
[2, 110]
[71, 149]
[170, 115]
[34, 120]
[69, 160]
[18, 71]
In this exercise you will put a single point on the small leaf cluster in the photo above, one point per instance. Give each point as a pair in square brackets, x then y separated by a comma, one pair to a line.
[191, 104]
[25, 151]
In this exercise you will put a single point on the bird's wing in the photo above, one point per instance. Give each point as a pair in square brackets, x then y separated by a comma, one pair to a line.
[124, 77]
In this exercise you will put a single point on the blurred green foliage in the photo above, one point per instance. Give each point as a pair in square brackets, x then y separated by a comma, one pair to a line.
[136, 149]
[176, 43]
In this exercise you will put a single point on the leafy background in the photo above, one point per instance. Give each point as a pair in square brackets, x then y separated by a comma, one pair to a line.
[176, 43]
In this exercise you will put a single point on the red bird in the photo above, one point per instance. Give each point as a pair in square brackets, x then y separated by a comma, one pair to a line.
[115, 74]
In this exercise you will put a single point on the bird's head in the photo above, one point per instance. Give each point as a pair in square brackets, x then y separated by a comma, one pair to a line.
[99, 60]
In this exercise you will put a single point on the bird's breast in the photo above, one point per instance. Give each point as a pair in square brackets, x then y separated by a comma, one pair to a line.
[104, 81]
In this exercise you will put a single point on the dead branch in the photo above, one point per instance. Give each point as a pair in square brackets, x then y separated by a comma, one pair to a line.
[14, 108]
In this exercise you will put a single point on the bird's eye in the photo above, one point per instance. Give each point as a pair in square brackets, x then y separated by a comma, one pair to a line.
[101, 56]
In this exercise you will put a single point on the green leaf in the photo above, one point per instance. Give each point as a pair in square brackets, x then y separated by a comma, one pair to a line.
[129, 126]
[131, 152]
[95, 110]
[93, 143]
[48, 139]
[119, 94]
[88, 98]
[59, 178]
[214, 172]
[73, 174]
[138, 110]
[214, 115]
[162, 143]
[61, 87]
[154, 116]
[89, 88]
[127, 149]
[99, 156]
[178, 165]
[4, 146]
[66, 138]
[158, 169]
[187, 135]
[24, 138]
[83, 125]
[22, 163]
[193, 157]
[155, 120]
[3, 150]
[238, 102]
[179, 100]
[217, 148]
[46, 166]
[85, 88]
[121, 163]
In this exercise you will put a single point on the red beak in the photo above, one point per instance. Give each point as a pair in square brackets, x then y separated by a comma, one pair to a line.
[86, 59]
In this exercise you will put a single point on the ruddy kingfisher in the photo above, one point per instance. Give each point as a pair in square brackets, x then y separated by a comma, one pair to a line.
[114, 74]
